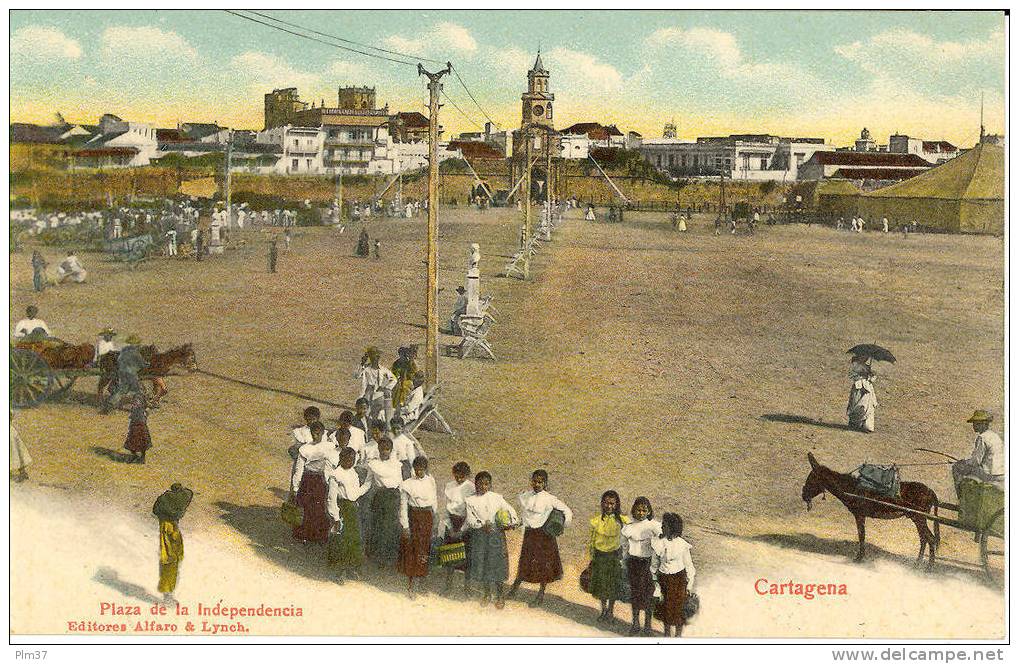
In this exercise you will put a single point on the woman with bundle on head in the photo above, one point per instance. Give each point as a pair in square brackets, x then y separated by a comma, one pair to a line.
[639, 534]
[606, 552]
[673, 568]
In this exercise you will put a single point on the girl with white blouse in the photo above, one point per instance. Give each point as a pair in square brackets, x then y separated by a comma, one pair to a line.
[639, 534]
[488, 516]
[539, 555]
[673, 568]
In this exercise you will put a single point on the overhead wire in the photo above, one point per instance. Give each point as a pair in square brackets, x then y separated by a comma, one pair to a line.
[471, 95]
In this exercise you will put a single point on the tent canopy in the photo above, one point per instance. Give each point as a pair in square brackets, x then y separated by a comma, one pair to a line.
[966, 194]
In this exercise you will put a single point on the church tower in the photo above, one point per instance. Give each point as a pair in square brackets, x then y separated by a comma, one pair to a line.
[537, 101]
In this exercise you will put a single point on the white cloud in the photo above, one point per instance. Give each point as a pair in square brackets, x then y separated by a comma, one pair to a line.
[441, 39]
[39, 42]
[268, 71]
[895, 48]
[580, 71]
[120, 43]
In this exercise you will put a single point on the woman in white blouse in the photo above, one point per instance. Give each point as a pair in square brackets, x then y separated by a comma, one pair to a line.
[308, 484]
[418, 502]
[453, 528]
[344, 551]
[386, 474]
[539, 555]
[673, 568]
[488, 515]
[639, 534]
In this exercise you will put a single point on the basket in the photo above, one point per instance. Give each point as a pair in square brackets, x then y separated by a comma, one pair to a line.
[555, 524]
[292, 514]
[452, 554]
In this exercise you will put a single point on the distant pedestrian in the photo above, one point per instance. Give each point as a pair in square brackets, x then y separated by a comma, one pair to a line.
[884, 224]
[287, 237]
[171, 242]
[363, 244]
[38, 271]
[169, 508]
[378, 248]
[273, 254]
[138, 438]
[20, 458]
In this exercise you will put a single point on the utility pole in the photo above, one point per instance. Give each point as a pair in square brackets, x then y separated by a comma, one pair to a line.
[432, 292]
[339, 192]
[226, 180]
[528, 142]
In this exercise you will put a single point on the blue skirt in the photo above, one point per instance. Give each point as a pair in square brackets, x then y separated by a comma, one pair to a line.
[488, 561]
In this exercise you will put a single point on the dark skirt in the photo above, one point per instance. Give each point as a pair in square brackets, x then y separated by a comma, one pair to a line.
[416, 546]
[311, 496]
[539, 558]
[384, 545]
[606, 575]
[642, 586]
[674, 595]
[487, 559]
[138, 438]
[459, 536]
[344, 550]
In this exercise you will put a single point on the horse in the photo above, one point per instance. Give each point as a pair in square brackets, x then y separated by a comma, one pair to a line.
[159, 367]
[912, 495]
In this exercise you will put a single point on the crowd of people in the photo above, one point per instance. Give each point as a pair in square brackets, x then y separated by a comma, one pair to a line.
[365, 491]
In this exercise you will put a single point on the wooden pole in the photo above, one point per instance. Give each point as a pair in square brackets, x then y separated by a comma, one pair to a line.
[528, 141]
[432, 292]
[229, 156]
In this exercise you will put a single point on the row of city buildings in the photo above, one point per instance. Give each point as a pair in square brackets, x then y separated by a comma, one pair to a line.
[357, 137]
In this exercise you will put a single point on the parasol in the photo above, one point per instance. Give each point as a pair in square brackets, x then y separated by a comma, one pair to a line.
[872, 351]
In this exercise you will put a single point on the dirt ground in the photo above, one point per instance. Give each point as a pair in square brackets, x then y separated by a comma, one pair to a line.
[693, 369]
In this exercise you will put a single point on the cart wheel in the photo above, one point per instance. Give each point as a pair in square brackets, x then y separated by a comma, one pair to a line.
[31, 379]
[62, 384]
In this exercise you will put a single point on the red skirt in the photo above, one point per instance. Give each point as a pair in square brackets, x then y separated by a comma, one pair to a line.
[670, 611]
[415, 548]
[311, 496]
[138, 438]
[539, 558]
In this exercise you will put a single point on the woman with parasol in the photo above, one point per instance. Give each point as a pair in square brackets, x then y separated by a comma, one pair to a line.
[862, 398]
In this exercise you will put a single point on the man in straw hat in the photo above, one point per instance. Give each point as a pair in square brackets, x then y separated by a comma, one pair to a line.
[105, 344]
[987, 462]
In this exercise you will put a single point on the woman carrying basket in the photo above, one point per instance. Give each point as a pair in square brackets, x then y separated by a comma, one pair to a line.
[544, 517]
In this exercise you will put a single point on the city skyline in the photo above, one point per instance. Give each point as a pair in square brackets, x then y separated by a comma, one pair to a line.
[825, 74]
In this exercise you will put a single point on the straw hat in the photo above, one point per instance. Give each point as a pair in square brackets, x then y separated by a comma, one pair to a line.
[133, 339]
[981, 416]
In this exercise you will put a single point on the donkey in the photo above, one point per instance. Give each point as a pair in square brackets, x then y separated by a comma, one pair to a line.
[912, 495]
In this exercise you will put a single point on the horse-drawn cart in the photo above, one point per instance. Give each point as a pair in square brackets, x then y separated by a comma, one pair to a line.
[47, 369]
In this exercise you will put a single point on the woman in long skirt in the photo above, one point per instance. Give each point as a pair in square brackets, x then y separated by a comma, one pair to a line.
[386, 474]
[418, 503]
[344, 549]
[606, 552]
[673, 566]
[488, 516]
[539, 556]
[138, 438]
[308, 485]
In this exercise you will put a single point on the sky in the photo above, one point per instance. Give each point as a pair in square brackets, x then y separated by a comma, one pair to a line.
[823, 74]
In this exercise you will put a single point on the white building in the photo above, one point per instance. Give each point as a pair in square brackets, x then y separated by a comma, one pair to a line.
[303, 148]
[754, 157]
[130, 144]
[935, 152]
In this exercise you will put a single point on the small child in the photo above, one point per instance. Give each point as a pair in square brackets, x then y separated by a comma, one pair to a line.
[639, 534]
[138, 438]
[452, 529]
[488, 516]
[378, 249]
[672, 567]
[344, 548]
[539, 556]
[606, 551]
[418, 503]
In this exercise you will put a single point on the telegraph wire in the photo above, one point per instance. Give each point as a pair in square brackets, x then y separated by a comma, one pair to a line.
[471, 95]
